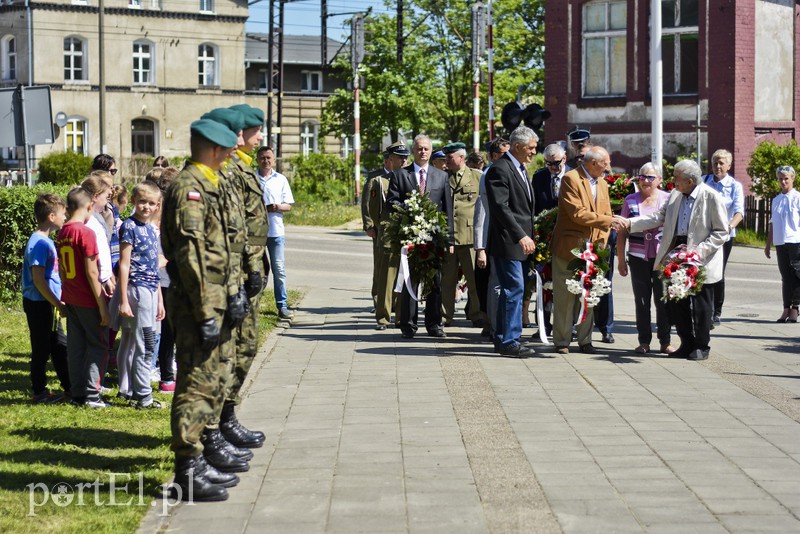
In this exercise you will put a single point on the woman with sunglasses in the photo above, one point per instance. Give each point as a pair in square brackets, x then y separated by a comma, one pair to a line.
[784, 231]
[641, 257]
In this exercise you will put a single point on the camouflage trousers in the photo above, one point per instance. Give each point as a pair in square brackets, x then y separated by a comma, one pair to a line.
[246, 349]
[200, 381]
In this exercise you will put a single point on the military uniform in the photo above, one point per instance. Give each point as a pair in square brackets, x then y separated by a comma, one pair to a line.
[195, 241]
[464, 188]
[370, 223]
[387, 263]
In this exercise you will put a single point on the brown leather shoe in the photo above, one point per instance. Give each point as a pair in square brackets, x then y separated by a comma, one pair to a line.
[668, 349]
[562, 350]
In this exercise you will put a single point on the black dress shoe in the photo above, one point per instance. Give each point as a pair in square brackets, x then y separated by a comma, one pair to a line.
[607, 338]
[437, 333]
[588, 349]
[680, 353]
[715, 319]
[697, 355]
[517, 351]
[380, 327]
[408, 335]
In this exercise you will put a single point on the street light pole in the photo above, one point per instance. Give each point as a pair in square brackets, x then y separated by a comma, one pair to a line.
[656, 86]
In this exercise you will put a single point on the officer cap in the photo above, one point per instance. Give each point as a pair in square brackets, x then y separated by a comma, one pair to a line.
[436, 155]
[577, 135]
[398, 149]
[231, 118]
[252, 116]
[216, 132]
[453, 147]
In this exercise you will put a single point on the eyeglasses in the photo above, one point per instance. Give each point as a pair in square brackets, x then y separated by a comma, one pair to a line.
[112, 171]
[647, 178]
[552, 163]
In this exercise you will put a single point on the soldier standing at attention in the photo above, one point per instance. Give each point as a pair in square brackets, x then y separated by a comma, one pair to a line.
[386, 263]
[464, 183]
[257, 224]
[195, 242]
[217, 451]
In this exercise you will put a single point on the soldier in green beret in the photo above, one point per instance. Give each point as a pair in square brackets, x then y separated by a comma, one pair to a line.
[464, 183]
[196, 244]
[385, 263]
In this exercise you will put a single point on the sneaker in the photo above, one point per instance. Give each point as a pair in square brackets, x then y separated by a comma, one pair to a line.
[285, 313]
[95, 404]
[104, 390]
[152, 405]
[44, 398]
[166, 387]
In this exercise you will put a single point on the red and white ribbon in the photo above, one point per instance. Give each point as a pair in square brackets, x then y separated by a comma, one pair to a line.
[404, 274]
[589, 257]
[540, 308]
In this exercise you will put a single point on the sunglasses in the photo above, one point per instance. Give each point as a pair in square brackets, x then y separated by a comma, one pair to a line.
[647, 178]
[552, 163]
[786, 168]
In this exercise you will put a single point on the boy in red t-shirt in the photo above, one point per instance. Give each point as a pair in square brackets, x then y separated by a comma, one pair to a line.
[87, 311]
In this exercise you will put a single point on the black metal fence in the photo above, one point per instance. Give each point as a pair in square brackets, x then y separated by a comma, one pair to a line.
[757, 212]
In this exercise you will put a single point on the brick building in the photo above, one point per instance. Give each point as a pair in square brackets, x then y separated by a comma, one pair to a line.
[735, 59]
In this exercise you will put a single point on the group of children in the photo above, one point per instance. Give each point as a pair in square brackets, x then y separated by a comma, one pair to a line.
[103, 275]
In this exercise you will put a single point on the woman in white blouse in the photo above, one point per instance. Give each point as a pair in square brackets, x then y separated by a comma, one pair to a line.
[784, 231]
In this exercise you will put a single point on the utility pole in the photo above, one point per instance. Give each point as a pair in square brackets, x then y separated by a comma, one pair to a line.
[400, 39]
[271, 71]
[490, 54]
[478, 33]
[356, 57]
[101, 74]
[278, 148]
[324, 36]
[656, 86]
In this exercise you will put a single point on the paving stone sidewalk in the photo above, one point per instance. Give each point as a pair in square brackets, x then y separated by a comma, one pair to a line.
[368, 432]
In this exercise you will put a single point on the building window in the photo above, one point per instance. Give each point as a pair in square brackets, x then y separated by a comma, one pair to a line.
[604, 48]
[347, 146]
[207, 65]
[135, 4]
[679, 46]
[309, 134]
[74, 53]
[143, 63]
[206, 6]
[75, 136]
[143, 137]
[8, 49]
[312, 81]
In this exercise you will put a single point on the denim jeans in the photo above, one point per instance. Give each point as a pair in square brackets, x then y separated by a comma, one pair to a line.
[275, 246]
[511, 277]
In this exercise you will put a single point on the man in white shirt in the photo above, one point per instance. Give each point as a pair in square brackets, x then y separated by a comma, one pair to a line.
[278, 199]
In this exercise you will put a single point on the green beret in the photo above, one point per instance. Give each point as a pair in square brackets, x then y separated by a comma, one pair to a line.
[231, 118]
[252, 116]
[216, 132]
[453, 147]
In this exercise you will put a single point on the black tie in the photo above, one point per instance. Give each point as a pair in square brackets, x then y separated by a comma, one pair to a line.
[525, 177]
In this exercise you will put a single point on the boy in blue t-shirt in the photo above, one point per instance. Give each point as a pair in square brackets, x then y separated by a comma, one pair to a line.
[140, 300]
[41, 298]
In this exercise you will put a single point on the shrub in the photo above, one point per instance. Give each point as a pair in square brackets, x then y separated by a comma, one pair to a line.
[64, 168]
[323, 177]
[766, 158]
[18, 223]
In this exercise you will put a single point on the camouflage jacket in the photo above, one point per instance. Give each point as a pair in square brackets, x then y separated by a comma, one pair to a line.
[231, 185]
[194, 237]
[255, 213]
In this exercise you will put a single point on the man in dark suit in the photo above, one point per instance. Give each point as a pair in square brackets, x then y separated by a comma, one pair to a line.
[547, 180]
[421, 176]
[511, 208]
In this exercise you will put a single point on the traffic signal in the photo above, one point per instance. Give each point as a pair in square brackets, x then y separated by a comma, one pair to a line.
[514, 114]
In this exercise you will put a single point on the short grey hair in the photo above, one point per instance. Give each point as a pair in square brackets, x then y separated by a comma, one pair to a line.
[595, 153]
[689, 169]
[554, 151]
[522, 135]
[650, 169]
[461, 152]
[422, 137]
[723, 155]
[785, 169]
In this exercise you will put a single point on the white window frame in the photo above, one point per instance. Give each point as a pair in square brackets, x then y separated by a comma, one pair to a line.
[206, 6]
[347, 146]
[676, 33]
[70, 137]
[8, 61]
[203, 62]
[72, 53]
[309, 137]
[140, 55]
[135, 4]
[606, 35]
[306, 78]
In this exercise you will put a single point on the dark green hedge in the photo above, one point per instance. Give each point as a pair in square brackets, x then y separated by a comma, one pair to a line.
[63, 168]
[17, 223]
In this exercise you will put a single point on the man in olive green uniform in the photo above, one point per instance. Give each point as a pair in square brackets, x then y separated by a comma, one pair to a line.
[195, 241]
[257, 224]
[369, 224]
[464, 183]
[217, 450]
[386, 263]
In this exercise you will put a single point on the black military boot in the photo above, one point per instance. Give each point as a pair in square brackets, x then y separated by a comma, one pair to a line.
[240, 452]
[235, 432]
[190, 477]
[226, 480]
[217, 456]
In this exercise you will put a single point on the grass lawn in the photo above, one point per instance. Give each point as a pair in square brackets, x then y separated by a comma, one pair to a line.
[749, 238]
[45, 445]
[322, 214]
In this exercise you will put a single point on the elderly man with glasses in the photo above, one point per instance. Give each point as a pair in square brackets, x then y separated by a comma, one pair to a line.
[547, 180]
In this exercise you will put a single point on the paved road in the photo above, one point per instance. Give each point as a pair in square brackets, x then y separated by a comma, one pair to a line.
[368, 432]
